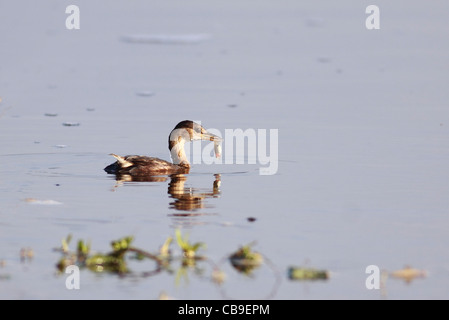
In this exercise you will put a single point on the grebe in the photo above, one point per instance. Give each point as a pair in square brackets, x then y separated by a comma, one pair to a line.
[142, 165]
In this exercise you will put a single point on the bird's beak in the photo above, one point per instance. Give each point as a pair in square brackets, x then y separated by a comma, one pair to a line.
[210, 137]
[217, 142]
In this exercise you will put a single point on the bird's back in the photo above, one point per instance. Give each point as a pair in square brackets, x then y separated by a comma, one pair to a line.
[143, 165]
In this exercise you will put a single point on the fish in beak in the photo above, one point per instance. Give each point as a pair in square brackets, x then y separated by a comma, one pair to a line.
[210, 137]
[217, 142]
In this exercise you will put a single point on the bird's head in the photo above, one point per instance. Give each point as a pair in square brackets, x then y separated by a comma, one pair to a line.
[188, 130]
[185, 131]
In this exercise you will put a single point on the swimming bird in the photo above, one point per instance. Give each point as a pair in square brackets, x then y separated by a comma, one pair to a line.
[136, 165]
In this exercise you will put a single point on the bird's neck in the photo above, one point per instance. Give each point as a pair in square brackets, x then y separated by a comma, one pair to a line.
[177, 152]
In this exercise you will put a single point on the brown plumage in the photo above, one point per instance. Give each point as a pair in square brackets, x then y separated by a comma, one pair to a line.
[135, 165]
[143, 165]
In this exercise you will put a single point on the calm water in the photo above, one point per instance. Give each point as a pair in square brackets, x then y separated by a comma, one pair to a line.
[363, 124]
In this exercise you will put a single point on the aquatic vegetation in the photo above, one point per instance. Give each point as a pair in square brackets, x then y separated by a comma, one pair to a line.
[189, 250]
[114, 261]
[65, 243]
[243, 263]
[301, 273]
[245, 260]
[187, 261]
[164, 251]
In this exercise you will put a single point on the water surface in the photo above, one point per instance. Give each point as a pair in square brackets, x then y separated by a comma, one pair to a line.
[363, 144]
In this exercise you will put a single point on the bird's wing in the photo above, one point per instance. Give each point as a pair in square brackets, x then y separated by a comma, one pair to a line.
[144, 161]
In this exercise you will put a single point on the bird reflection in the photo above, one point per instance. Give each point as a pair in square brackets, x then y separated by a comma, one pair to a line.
[186, 199]
[190, 199]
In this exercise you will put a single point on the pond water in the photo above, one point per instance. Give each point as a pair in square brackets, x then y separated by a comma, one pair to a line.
[363, 145]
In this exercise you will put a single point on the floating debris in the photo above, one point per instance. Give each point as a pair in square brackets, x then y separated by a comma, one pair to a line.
[166, 39]
[408, 274]
[164, 296]
[61, 146]
[251, 219]
[71, 124]
[218, 276]
[50, 114]
[90, 109]
[145, 93]
[42, 202]
[315, 22]
[2, 263]
[26, 254]
[3, 112]
[232, 105]
[324, 59]
[300, 273]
